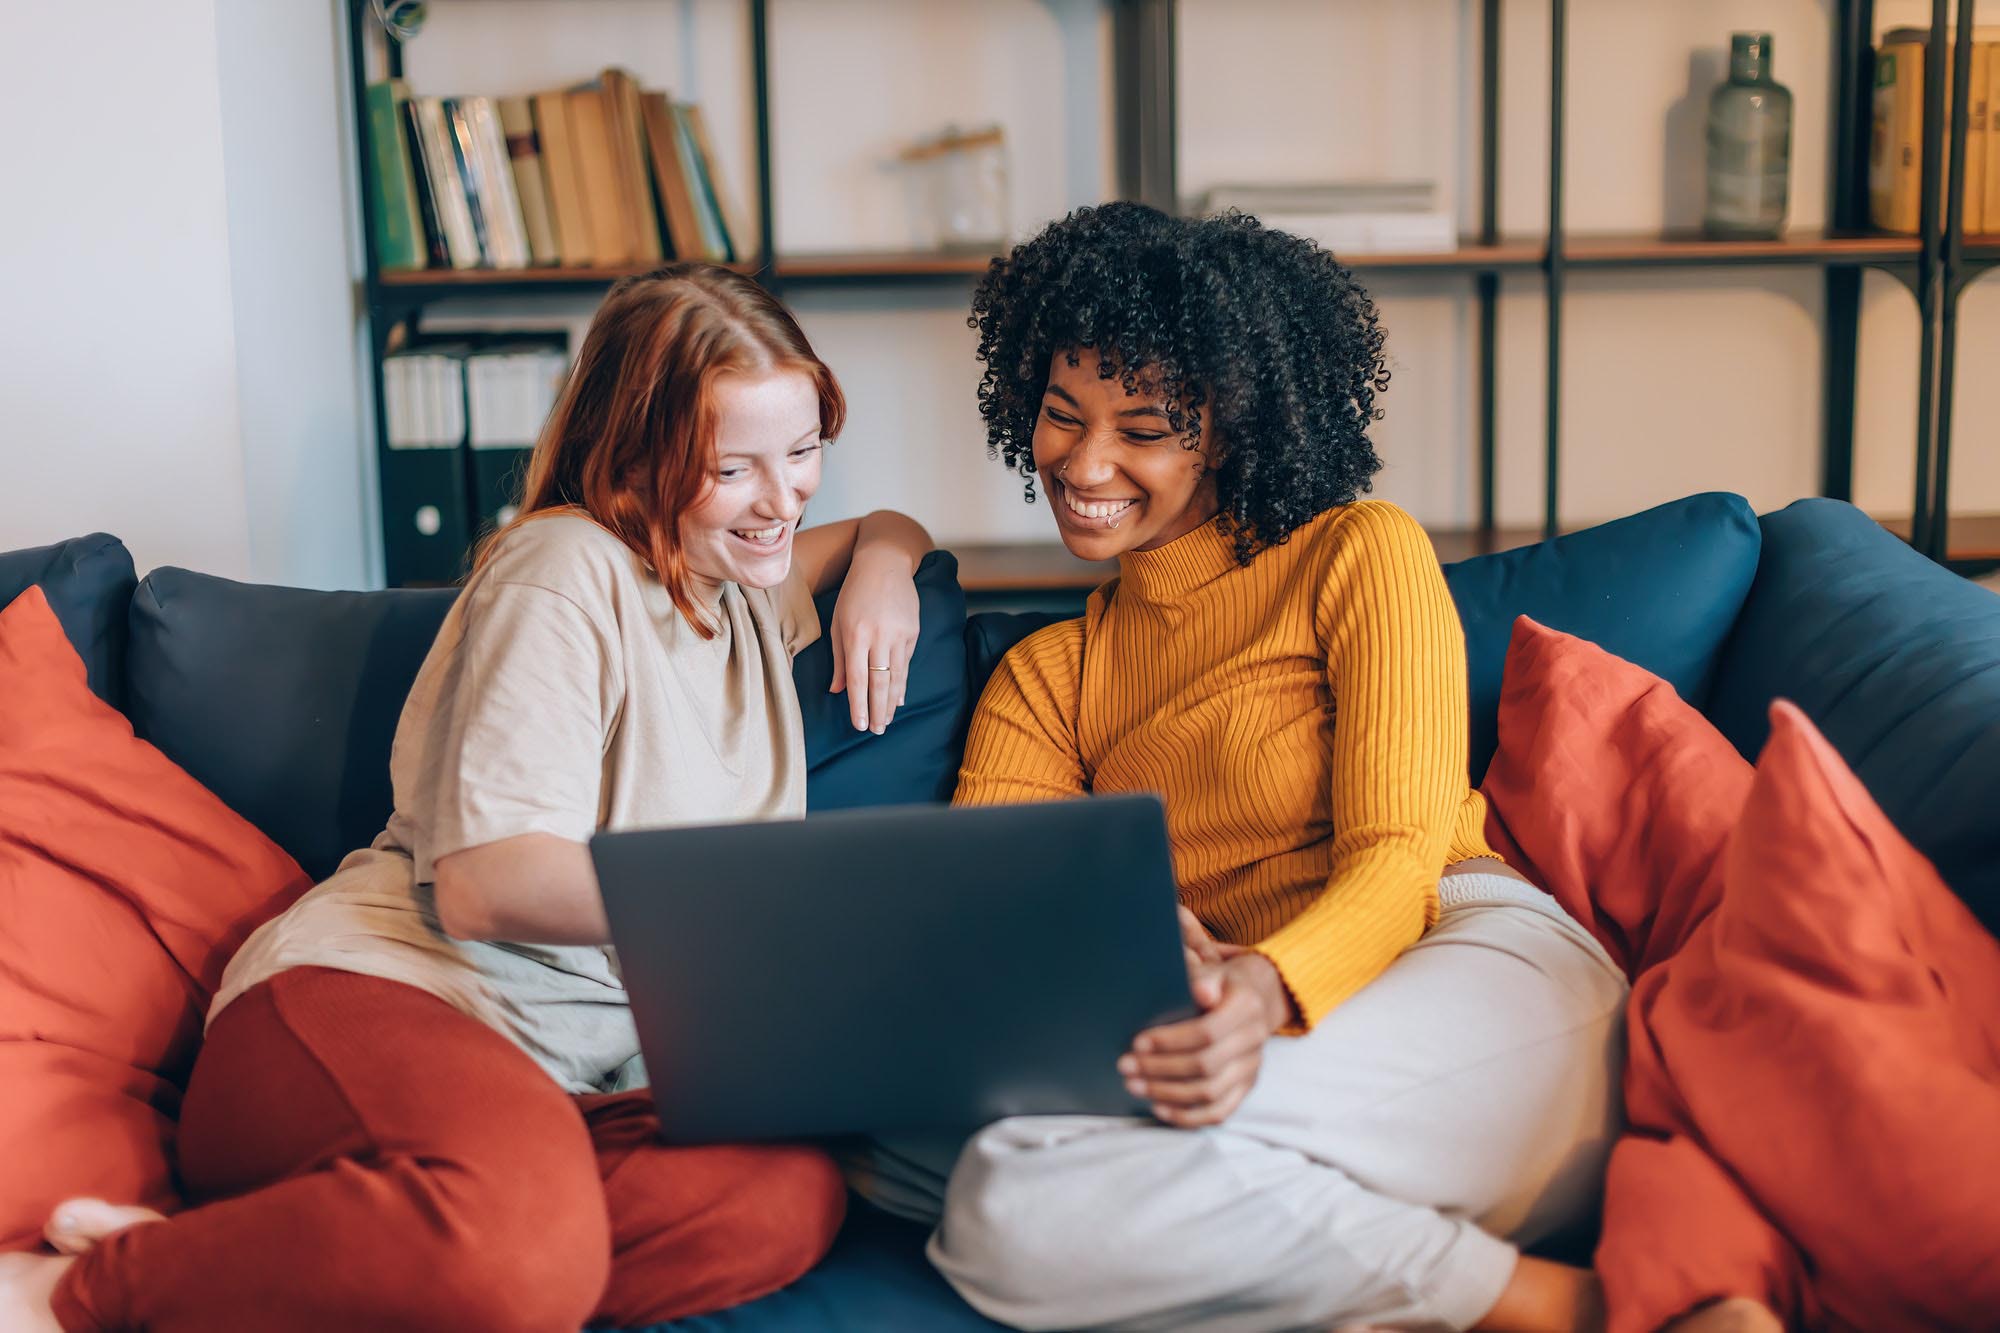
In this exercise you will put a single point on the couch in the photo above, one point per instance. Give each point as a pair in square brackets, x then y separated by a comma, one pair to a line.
[283, 702]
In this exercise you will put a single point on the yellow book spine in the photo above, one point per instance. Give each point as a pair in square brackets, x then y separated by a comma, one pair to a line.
[1990, 150]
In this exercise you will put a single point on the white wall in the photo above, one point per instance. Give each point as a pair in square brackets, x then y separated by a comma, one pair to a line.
[176, 310]
[287, 148]
[118, 390]
[177, 320]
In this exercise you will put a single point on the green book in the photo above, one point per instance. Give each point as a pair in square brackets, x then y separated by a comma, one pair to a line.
[399, 231]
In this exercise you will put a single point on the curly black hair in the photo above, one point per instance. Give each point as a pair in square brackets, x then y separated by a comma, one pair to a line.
[1260, 336]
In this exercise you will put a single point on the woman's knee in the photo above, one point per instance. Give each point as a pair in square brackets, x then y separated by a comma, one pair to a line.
[504, 1265]
[794, 1200]
[700, 1229]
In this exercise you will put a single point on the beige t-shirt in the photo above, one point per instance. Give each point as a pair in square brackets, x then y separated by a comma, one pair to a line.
[564, 694]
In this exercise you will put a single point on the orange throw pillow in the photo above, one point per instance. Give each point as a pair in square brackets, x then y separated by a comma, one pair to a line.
[1611, 793]
[125, 886]
[1831, 1038]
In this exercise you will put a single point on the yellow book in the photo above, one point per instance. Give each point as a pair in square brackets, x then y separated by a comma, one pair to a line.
[1895, 142]
[1990, 212]
[567, 200]
[1975, 140]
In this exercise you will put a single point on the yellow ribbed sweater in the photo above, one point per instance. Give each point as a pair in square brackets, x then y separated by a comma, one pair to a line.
[1303, 717]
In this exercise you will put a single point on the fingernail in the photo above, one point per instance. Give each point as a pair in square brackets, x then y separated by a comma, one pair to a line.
[1135, 1087]
[877, 730]
[65, 1221]
[1127, 1065]
[1143, 1044]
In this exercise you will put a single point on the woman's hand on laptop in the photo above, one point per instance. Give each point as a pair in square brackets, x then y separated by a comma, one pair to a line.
[1199, 1071]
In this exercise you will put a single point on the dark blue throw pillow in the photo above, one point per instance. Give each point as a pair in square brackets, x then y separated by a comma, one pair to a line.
[916, 759]
[88, 581]
[1897, 661]
[1660, 588]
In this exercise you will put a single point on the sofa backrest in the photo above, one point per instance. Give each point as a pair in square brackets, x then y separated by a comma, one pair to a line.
[88, 581]
[1897, 661]
[284, 702]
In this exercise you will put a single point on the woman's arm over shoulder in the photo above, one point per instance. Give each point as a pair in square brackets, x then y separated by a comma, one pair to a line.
[822, 555]
[873, 560]
[1395, 661]
[1022, 744]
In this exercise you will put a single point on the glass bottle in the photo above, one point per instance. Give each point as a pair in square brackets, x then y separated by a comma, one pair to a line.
[1749, 145]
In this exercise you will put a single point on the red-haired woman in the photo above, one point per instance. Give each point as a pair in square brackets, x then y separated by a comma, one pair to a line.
[418, 1105]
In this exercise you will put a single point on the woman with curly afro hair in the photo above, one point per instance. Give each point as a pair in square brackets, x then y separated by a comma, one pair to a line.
[1407, 1060]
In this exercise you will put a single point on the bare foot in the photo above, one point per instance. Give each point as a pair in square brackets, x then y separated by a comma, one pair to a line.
[78, 1224]
[1738, 1314]
[27, 1281]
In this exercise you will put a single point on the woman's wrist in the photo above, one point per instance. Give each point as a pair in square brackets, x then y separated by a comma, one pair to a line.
[890, 542]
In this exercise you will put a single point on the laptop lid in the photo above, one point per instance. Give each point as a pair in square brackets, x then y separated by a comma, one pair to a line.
[916, 967]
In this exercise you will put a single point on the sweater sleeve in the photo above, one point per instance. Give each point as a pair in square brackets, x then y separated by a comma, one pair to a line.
[1395, 661]
[1022, 743]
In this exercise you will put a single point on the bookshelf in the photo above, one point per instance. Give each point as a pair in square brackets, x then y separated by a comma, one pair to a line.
[1935, 266]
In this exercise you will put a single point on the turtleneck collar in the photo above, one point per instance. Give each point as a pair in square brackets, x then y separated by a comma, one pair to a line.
[1184, 564]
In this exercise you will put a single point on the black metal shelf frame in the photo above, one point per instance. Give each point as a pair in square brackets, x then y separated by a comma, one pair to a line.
[1144, 42]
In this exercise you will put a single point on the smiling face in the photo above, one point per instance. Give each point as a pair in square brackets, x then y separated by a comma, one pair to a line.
[767, 457]
[1119, 477]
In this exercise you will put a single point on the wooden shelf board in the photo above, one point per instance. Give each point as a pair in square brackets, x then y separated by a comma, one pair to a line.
[1520, 252]
[882, 264]
[1615, 248]
[447, 279]
[1972, 536]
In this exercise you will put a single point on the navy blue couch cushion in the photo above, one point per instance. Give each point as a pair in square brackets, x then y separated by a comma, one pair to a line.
[1660, 588]
[284, 702]
[88, 581]
[1898, 662]
[281, 701]
[875, 1278]
[916, 759]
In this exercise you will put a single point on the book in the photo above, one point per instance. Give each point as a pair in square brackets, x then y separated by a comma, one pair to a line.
[510, 389]
[396, 220]
[1974, 216]
[524, 159]
[714, 244]
[490, 181]
[1990, 211]
[425, 524]
[567, 204]
[670, 177]
[458, 133]
[1895, 139]
[604, 190]
[447, 187]
[724, 201]
[628, 138]
[1896, 131]
[436, 252]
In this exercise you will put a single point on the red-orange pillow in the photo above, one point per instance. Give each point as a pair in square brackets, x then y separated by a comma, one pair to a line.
[1831, 1037]
[124, 888]
[1611, 793]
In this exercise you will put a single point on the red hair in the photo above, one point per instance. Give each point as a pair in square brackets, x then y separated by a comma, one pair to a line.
[631, 441]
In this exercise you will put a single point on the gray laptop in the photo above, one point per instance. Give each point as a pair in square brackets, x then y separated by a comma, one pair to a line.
[911, 967]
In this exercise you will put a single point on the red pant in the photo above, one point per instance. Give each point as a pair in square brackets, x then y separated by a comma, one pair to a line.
[364, 1156]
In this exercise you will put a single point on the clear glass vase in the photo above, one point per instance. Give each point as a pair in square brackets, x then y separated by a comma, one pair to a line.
[1749, 145]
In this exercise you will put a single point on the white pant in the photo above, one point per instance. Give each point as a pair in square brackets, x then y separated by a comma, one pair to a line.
[1469, 1093]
